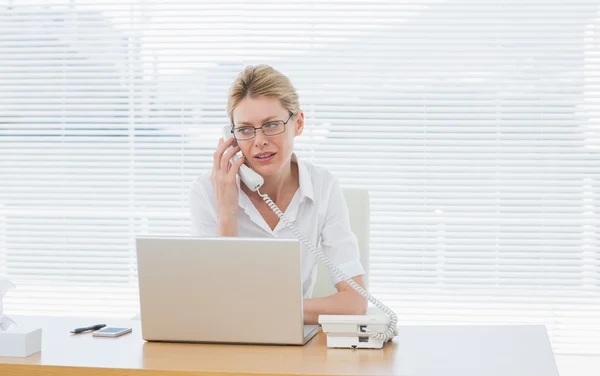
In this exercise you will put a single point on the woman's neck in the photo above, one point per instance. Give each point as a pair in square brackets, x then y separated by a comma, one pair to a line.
[275, 185]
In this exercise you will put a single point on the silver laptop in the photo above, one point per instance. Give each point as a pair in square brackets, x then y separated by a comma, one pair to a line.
[221, 290]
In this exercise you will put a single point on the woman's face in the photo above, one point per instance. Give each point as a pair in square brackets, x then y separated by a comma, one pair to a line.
[267, 155]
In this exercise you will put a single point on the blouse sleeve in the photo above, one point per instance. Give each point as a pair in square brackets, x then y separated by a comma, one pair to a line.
[203, 215]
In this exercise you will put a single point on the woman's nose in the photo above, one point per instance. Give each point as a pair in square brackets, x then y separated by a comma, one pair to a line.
[260, 139]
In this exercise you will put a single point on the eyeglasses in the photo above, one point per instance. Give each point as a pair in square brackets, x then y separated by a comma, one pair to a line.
[271, 128]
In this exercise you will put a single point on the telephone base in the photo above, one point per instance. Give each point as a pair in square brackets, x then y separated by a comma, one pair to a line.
[353, 342]
[351, 331]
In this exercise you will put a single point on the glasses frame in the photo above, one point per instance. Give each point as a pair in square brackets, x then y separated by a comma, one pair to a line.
[233, 128]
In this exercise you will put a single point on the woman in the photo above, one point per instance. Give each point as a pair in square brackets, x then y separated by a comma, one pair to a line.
[264, 112]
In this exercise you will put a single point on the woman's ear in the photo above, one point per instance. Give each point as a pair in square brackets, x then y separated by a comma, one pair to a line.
[299, 122]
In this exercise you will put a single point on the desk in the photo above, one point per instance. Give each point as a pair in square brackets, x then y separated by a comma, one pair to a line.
[418, 351]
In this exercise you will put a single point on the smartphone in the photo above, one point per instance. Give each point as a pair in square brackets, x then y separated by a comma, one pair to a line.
[111, 332]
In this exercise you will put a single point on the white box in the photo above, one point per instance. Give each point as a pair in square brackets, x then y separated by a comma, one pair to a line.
[20, 341]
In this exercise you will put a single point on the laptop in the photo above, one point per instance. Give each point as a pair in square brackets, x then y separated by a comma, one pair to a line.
[221, 290]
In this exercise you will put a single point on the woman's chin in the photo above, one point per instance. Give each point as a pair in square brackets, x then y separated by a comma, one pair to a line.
[266, 170]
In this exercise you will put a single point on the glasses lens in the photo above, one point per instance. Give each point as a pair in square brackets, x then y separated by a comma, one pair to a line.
[273, 128]
[244, 133]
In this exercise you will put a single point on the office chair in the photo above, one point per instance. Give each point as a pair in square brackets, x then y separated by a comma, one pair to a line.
[359, 211]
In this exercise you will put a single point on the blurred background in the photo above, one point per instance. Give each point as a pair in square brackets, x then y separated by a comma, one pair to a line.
[475, 126]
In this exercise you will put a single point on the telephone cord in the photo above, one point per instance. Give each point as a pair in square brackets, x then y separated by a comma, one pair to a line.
[390, 331]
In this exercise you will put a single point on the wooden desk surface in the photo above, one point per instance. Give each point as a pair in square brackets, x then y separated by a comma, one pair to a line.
[69, 355]
[516, 350]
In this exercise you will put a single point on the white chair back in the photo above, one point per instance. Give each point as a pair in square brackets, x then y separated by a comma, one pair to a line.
[359, 210]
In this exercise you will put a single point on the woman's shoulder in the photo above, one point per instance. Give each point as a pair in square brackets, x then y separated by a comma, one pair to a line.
[201, 185]
[202, 201]
[315, 167]
[318, 172]
[321, 179]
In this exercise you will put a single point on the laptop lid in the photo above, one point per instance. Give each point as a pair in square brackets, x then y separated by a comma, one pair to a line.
[226, 290]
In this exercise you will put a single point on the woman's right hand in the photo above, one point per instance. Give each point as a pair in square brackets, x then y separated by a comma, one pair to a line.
[223, 179]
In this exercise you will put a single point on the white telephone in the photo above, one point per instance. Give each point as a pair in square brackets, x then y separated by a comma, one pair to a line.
[252, 179]
[343, 331]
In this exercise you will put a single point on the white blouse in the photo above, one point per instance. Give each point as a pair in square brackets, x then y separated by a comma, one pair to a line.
[318, 209]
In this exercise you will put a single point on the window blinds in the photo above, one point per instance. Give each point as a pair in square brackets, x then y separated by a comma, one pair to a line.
[473, 124]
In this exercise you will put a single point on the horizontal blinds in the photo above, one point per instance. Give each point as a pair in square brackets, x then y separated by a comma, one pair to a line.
[475, 126]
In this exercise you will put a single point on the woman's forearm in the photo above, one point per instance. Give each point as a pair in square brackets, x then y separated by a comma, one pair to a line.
[346, 302]
[227, 226]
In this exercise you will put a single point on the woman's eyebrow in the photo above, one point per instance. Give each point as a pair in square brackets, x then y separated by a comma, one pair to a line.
[262, 122]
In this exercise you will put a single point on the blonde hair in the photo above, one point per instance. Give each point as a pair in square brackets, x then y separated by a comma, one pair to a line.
[262, 80]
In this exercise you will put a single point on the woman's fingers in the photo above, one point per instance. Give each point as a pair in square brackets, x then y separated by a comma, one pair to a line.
[226, 159]
[218, 154]
[235, 166]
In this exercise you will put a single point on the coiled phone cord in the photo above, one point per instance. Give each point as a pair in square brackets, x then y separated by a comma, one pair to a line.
[390, 331]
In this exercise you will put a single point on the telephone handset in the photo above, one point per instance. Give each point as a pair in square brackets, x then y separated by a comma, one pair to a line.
[254, 181]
